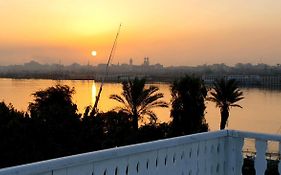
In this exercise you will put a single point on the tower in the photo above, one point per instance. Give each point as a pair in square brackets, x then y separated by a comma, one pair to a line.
[146, 61]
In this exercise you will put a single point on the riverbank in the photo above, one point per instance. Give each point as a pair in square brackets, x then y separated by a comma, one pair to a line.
[265, 82]
[260, 106]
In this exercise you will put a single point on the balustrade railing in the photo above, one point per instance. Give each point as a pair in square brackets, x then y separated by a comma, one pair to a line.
[218, 153]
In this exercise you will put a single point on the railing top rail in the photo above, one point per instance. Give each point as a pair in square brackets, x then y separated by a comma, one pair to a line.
[254, 135]
[113, 153]
[75, 160]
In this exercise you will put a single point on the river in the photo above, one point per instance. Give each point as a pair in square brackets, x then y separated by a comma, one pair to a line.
[261, 110]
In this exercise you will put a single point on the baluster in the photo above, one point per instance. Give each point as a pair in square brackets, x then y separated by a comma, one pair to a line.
[279, 165]
[260, 162]
[235, 158]
[221, 156]
[201, 157]
[239, 156]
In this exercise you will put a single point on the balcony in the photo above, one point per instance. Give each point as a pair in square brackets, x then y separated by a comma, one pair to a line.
[219, 153]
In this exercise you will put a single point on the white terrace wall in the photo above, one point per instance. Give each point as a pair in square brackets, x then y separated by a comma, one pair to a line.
[202, 153]
[218, 153]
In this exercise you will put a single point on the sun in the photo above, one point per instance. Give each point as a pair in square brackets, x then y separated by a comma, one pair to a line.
[94, 53]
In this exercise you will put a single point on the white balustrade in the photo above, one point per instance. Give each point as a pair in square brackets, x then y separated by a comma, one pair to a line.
[260, 163]
[212, 153]
[279, 165]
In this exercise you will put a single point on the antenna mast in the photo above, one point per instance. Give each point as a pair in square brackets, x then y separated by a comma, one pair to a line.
[95, 108]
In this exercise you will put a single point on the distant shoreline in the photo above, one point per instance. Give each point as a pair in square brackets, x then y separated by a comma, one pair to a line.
[99, 81]
[248, 75]
[271, 83]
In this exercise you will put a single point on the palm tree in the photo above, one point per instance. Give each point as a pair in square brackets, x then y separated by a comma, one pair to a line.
[226, 94]
[138, 101]
[188, 106]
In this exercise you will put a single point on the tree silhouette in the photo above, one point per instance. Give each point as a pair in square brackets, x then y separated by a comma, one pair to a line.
[15, 143]
[138, 101]
[9, 114]
[117, 127]
[225, 94]
[56, 114]
[188, 106]
[54, 105]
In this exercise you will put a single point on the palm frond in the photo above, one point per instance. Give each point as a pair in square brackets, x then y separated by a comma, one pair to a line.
[149, 99]
[127, 92]
[152, 116]
[155, 104]
[117, 98]
[120, 109]
[236, 105]
[138, 100]
[226, 92]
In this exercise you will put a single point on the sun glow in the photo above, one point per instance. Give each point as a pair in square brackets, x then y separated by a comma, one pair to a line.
[72, 30]
[94, 53]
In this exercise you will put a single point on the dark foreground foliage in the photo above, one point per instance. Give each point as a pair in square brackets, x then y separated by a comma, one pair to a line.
[188, 106]
[53, 128]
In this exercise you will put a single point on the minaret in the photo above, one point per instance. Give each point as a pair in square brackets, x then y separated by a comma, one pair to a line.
[146, 61]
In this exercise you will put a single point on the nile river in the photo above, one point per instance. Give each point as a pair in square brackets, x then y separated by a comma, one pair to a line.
[261, 108]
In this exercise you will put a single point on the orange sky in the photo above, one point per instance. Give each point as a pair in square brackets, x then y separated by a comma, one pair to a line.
[182, 32]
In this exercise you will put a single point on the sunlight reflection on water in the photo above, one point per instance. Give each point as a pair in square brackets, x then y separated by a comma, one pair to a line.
[94, 92]
[261, 108]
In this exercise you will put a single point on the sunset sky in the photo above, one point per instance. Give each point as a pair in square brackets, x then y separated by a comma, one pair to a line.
[181, 32]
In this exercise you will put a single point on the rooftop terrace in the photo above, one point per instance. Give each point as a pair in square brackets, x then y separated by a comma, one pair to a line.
[219, 153]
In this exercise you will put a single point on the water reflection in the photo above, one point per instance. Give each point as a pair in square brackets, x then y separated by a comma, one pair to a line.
[94, 93]
[260, 113]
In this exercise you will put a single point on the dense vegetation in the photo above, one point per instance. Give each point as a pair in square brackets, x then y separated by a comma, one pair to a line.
[188, 106]
[52, 126]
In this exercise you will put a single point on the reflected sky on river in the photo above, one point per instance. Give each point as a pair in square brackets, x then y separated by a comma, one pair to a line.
[261, 108]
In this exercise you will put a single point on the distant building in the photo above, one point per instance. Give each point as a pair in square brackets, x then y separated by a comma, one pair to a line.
[33, 65]
[146, 61]
[242, 79]
[158, 66]
[101, 67]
